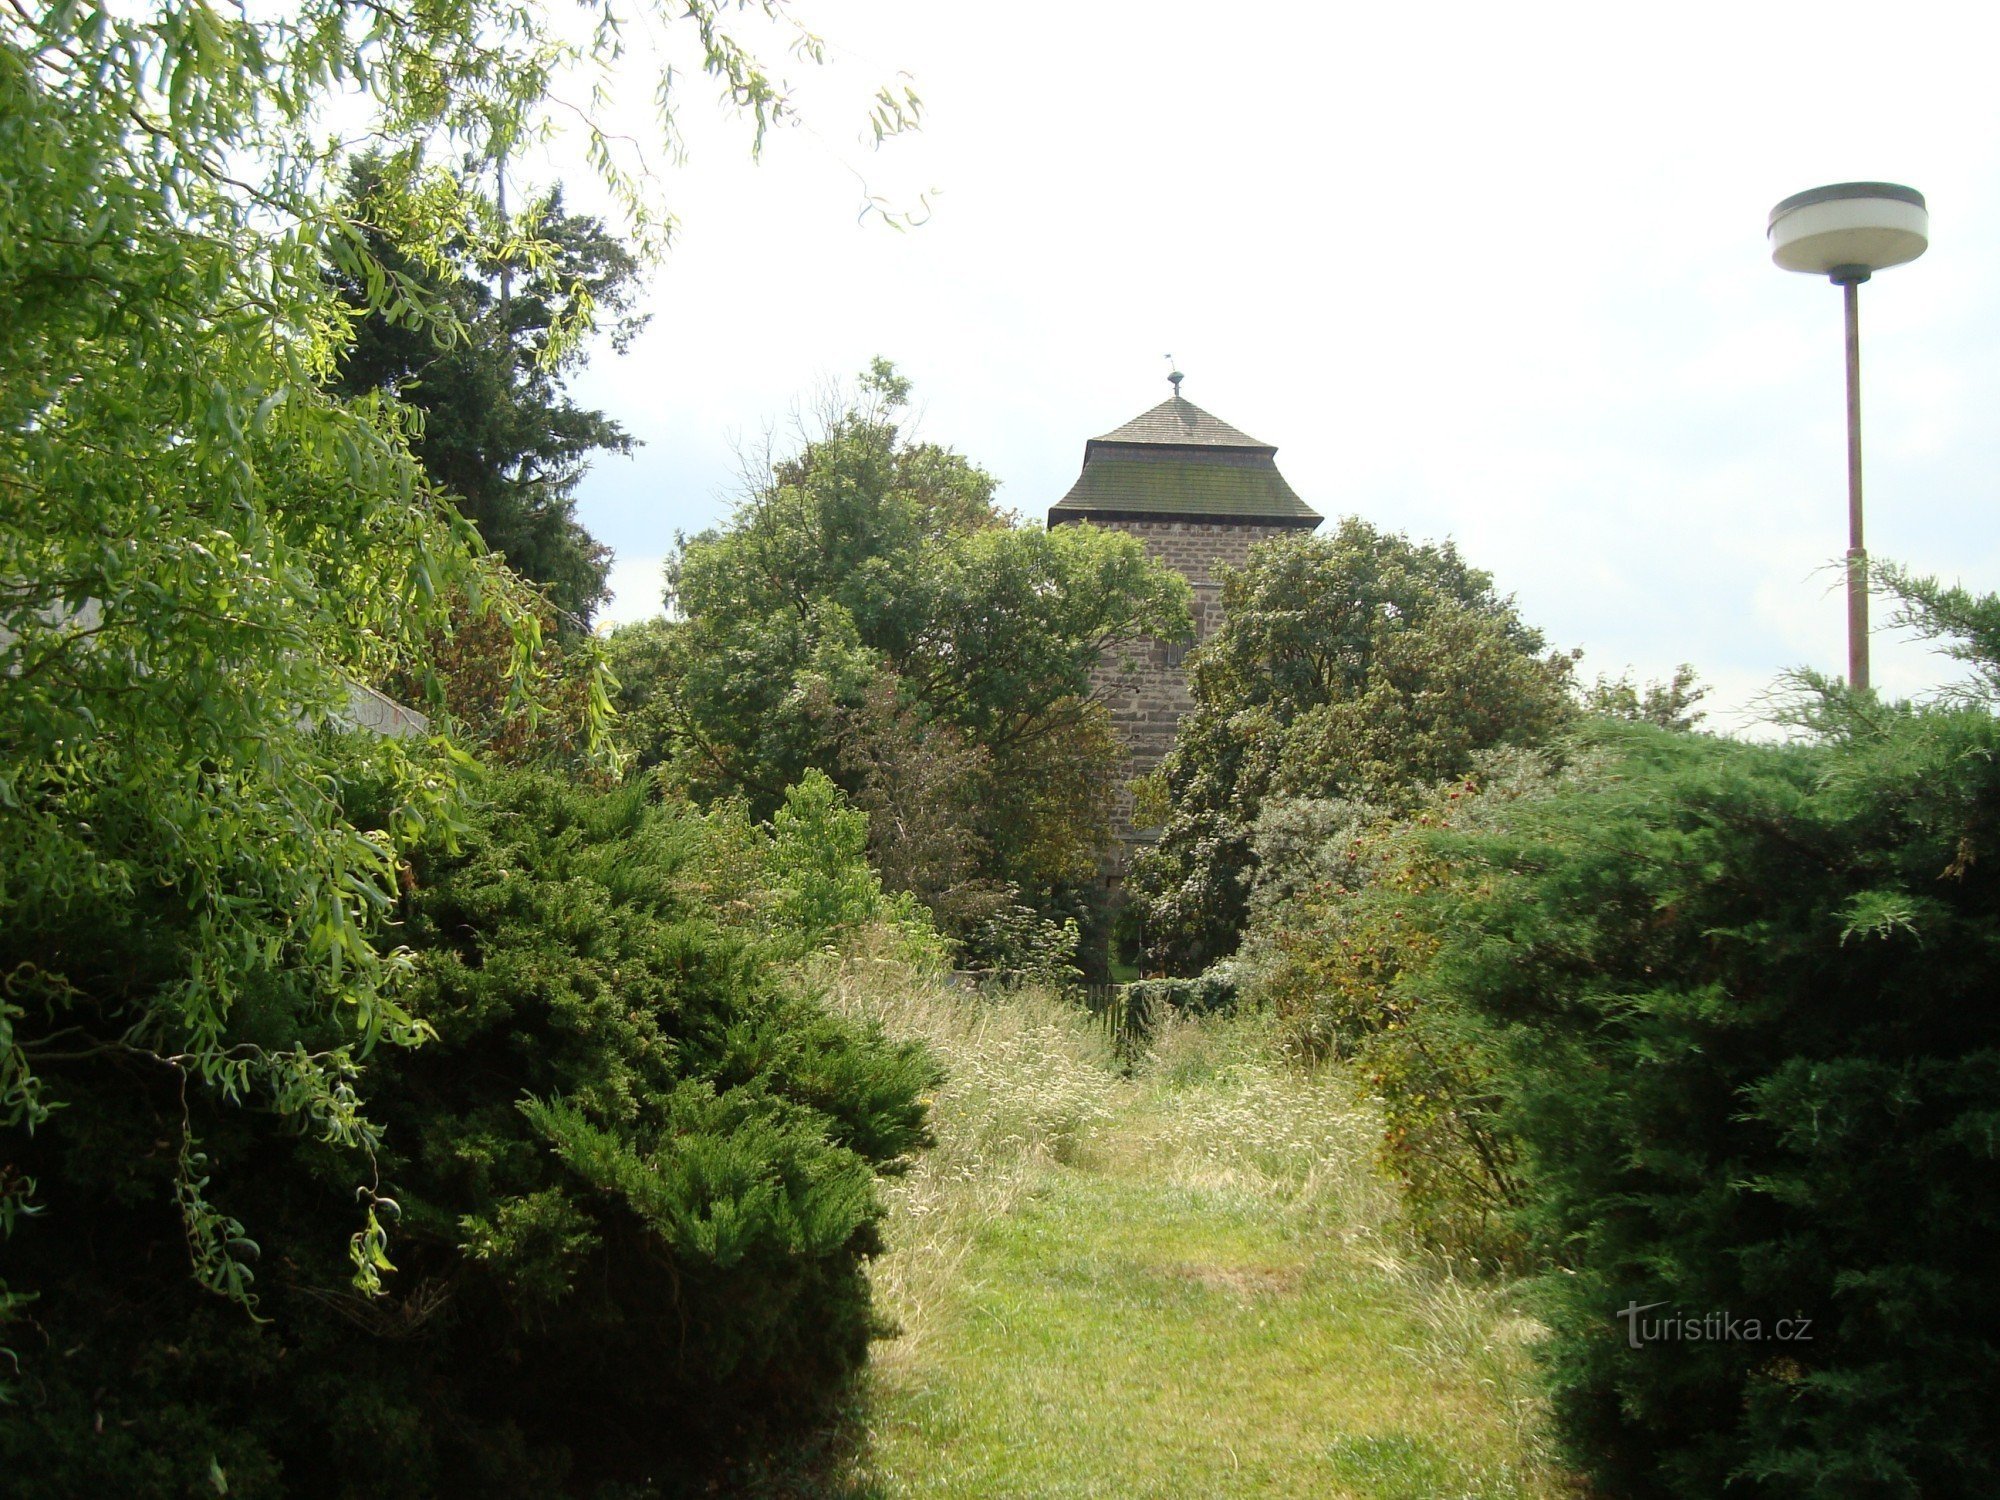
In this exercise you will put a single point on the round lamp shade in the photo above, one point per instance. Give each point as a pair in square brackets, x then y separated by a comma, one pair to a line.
[1850, 227]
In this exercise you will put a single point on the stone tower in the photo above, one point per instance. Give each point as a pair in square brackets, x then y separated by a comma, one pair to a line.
[1198, 494]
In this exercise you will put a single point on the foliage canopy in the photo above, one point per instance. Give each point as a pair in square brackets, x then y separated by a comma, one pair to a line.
[203, 545]
[632, 1184]
[1359, 666]
[868, 611]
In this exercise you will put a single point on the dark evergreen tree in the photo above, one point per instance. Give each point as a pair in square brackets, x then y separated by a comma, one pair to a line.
[500, 434]
[1746, 994]
[616, 1210]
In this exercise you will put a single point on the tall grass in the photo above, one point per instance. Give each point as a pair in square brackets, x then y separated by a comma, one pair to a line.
[1027, 1077]
[1224, 1111]
[1072, 1188]
[1218, 1108]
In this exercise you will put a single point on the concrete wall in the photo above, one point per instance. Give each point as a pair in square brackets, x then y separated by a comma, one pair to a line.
[380, 714]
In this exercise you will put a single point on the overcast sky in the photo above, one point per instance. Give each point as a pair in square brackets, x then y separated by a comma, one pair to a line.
[1497, 273]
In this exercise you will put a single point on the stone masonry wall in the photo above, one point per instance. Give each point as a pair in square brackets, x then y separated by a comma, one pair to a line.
[1143, 682]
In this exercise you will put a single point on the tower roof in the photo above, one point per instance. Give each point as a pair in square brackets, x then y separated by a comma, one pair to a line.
[1178, 422]
[1178, 463]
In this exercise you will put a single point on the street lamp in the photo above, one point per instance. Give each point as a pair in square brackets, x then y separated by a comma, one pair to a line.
[1846, 233]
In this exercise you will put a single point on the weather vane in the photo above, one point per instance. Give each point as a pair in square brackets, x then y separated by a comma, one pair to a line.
[1174, 377]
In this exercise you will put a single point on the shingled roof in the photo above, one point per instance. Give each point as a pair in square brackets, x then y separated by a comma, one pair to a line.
[1178, 463]
[1179, 422]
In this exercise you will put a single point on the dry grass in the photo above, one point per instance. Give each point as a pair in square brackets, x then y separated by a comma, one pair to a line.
[1026, 1079]
[1217, 1109]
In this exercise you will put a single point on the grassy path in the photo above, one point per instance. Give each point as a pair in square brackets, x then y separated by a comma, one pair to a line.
[1173, 1285]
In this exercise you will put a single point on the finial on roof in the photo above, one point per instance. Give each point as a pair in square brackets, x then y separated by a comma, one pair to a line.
[1174, 377]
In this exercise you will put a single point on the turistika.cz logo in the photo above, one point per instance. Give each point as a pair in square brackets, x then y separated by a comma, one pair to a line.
[1708, 1328]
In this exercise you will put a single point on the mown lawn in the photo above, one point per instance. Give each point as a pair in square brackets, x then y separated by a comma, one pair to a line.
[1184, 1283]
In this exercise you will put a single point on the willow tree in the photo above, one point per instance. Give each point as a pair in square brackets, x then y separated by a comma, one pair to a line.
[201, 547]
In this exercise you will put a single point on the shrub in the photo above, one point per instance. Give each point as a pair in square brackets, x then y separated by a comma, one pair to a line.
[628, 1194]
[1134, 1015]
[1752, 1055]
[1022, 946]
[1203, 995]
[1350, 916]
[1708, 1028]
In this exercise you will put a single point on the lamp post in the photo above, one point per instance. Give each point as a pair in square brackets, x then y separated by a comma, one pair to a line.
[1846, 233]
